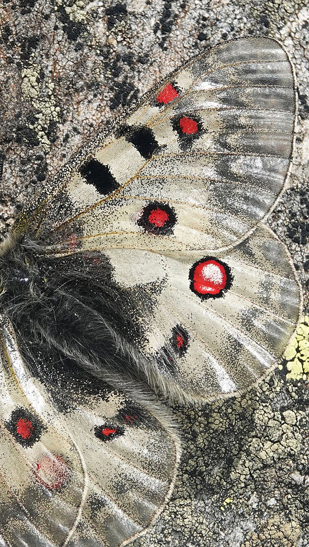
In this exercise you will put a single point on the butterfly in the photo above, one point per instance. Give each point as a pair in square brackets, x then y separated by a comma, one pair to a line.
[143, 271]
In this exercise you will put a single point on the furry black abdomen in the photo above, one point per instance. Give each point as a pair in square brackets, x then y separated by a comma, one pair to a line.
[70, 307]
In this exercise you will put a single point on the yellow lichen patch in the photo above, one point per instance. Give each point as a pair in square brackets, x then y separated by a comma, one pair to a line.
[297, 352]
[226, 502]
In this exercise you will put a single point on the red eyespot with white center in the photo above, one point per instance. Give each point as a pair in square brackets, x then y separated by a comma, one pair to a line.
[167, 94]
[157, 219]
[210, 278]
[51, 471]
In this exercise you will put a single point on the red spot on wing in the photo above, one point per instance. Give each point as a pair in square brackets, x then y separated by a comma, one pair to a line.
[107, 431]
[24, 428]
[158, 217]
[179, 341]
[167, 95]
[188, 126]
[51, 471]
[209, 277]
[72, 242]
[130, 419]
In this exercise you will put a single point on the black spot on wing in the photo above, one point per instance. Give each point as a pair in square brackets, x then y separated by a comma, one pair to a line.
[96, 503]
[142, 138]
[100, 176]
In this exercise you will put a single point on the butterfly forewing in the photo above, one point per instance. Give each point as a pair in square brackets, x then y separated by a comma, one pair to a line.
[211, 147]
[98, 474]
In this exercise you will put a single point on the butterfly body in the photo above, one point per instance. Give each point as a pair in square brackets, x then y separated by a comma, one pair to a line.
[144, 268]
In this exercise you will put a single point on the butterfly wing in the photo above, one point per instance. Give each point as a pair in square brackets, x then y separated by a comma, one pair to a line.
[198, 165]
[98, 473]
[216, 323]
[191, 174]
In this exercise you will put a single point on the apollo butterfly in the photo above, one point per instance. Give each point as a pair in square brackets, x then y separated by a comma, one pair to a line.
[145, 268]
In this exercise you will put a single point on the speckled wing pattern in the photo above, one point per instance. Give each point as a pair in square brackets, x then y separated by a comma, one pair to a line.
[93, 476]
[173, 202]
[213, 144]
[191, 175]
[217, 345]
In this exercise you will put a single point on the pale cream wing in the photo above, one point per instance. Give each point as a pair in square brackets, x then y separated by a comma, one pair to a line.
[96, 475]
[198, 165]
[216, 323]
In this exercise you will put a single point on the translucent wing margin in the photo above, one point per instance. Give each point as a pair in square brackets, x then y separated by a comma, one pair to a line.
[211, 148]
[92, 476]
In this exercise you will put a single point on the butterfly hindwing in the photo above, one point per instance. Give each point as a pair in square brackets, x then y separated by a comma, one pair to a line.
[217, 323]
[97, 474]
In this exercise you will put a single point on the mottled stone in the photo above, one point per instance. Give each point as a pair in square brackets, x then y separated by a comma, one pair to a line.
[83, 69]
